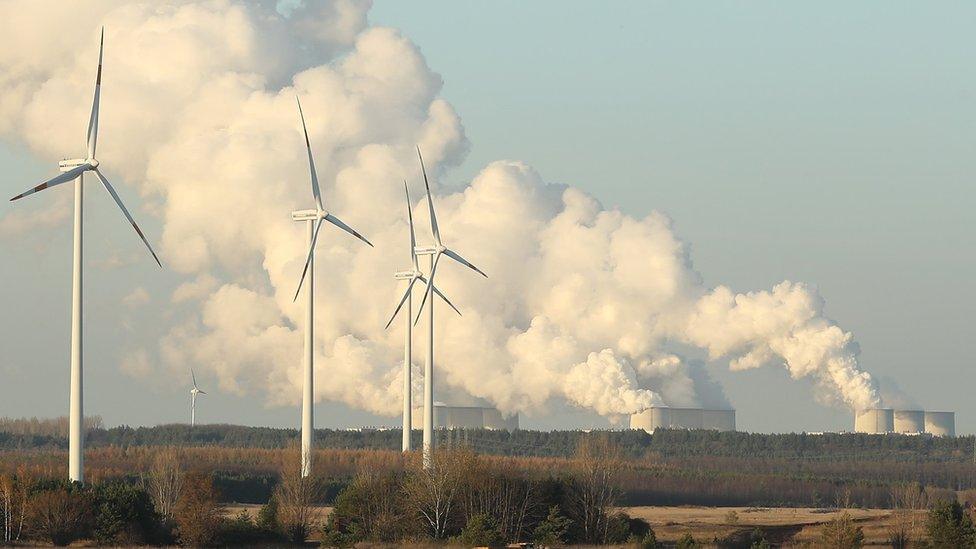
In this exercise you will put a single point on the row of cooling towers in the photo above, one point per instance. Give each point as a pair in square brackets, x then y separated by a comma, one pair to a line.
[888, 420]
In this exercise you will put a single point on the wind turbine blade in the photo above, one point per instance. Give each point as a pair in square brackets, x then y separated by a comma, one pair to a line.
[115, 196]
[55, 181]
[308, 258]
[430, 284]
[413, 237]
[444, 297]
[430, 203]
[406, 296]
[93, 120]
[338, 223]
[454, 255]
[194, 378]
[201, 392]
[311, 163]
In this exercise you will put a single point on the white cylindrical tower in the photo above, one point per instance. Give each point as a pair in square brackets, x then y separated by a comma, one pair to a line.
[940, 424]
[909, 421]
[429, 374]
[308, 428]
[407, 373]
[76, 409]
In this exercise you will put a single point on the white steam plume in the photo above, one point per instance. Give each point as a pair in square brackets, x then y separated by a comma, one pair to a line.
[198, 115]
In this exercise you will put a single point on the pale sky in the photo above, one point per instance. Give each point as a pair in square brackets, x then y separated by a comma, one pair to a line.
[828, 143]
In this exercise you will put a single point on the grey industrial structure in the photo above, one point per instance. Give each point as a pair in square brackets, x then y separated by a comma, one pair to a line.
[666, 417]
[888, 420]
[466, 417]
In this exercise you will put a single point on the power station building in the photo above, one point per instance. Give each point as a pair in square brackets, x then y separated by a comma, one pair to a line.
[887, 420]
[466, 417]
[666, 417]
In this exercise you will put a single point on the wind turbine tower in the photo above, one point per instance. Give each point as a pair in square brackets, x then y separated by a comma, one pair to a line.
[313, 219]
[434, 252]
[413, 276]
[193, 398]
[74, 170]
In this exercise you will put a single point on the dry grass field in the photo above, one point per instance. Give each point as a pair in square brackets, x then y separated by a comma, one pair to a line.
[787, 526]
[797, 527]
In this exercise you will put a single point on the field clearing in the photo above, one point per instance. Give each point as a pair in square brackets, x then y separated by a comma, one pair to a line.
[792, 526]
[789, 525]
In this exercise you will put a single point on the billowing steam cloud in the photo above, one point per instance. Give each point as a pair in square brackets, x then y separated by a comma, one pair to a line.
[199, 116]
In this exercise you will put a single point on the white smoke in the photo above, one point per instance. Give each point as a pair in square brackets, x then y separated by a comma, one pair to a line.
[199, 117]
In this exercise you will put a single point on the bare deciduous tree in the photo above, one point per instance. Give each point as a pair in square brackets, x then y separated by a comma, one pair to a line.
[14, 492]
[433, 492]
[595, 487]
[164, 482]
[296, 496]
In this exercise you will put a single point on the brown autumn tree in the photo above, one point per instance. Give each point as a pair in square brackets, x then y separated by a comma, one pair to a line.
[296, 496]
[197, 513]
[61, 515]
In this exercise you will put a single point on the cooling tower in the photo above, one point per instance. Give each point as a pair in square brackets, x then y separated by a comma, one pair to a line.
[940, 424]
[718, 420]
[909, 421]
[683, 418]
[875, 421]
[465, 417]
[686, 418]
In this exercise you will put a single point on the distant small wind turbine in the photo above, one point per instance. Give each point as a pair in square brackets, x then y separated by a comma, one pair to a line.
[74, 170]
[435, 253]
[413, 276]
[193, 398]
[313, 219]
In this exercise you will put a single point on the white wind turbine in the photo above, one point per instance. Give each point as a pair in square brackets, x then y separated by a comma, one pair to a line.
[413, 276]
[435, 252]
[74, 170]
[313, 219]
[193, 399]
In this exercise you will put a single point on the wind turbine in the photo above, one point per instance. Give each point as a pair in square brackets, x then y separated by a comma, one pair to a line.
[74, 170]
[193, 398]
[313, 219]
[434, 252]
[413, 276]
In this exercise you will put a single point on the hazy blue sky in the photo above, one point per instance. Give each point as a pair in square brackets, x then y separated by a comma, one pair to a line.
[830, 143]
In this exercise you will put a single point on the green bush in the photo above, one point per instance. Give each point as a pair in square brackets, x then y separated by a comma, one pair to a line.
[61, 512]
[649, 541]
[949, 526]
[480, 531]
[554, 529]
[124, 515]
[241, 530]
[687, 542]
[842, 533]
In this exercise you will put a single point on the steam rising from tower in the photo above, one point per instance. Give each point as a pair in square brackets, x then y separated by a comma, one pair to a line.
[587, 303]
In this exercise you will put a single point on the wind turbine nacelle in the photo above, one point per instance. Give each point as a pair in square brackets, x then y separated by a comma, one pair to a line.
[404, 275]
[426, 250]
[69, 164]
[306, 215]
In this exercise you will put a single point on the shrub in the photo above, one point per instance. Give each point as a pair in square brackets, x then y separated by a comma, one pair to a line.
[480, 531]
[268, 516]
[898, 538]
[197, 513]
[241, 530]
[949, 525]
[649, 541]
[732, 517]
[61, 514]
[554, 529]
[842, 533]
[124, 515]
[687, 542]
